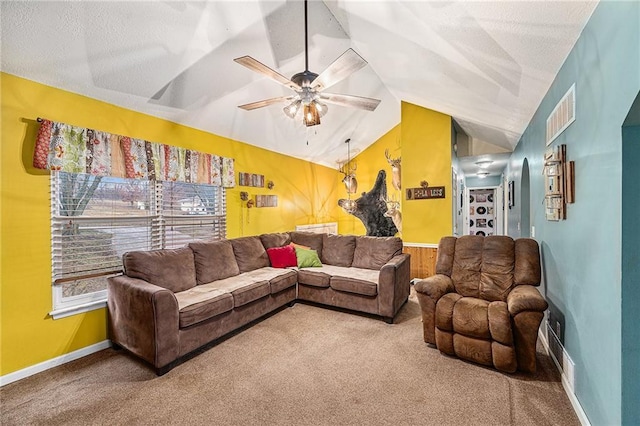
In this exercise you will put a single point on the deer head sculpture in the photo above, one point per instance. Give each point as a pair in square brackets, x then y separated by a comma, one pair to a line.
[349, 180]
[393, 211]
[395, 169]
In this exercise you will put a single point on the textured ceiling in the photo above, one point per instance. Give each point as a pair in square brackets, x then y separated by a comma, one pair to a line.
[488, 64]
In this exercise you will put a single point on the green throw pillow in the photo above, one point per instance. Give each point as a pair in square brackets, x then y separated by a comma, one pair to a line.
[307, 258]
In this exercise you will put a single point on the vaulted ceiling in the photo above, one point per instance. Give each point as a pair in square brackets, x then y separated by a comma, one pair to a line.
[487, 64]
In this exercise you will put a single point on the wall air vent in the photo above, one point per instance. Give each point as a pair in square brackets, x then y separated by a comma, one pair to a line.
[562, 116]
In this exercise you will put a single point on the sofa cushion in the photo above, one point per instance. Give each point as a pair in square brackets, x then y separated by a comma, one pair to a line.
[444, 311]
[324, 276]
[250, 292]
[171, 269]
[470, 317]
[354, 285]
[275, 240]
[214, 261]
[496, 279]
[500, 323]
[250, 253]
[467, 265]
[338, 249]
[282, 282]
[375, 252]
[472, 349]
[353, 280]
[527, 262]
[279, 279]
[313, 277]
[307, 258]
[244, 288]
[282, 257]
[309, 239]
[201, 303]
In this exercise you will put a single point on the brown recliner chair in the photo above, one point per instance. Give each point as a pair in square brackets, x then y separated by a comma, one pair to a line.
[482, 305]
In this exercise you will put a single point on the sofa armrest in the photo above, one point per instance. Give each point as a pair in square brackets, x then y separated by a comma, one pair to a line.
[429, 291]
[526, 306]
[394, 285]
[525, 298]
[143, 318]
[435, 286]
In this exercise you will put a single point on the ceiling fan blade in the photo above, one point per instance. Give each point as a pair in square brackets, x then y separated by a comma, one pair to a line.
[261, 68]
[368, 104]
[348, 63]
[266, 102]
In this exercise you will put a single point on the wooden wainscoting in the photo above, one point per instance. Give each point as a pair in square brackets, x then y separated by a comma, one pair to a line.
[423, 260]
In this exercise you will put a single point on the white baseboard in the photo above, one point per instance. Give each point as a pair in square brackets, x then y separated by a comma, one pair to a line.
[62, 359]
[566, 385]
[424, 245]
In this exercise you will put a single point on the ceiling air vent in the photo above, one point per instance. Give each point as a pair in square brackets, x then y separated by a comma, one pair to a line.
[562, 116]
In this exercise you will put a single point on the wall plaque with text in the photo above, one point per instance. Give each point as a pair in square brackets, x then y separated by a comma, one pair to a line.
[425, 193]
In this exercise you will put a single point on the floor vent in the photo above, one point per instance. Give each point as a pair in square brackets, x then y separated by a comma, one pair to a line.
[562, 116]
[560, 357]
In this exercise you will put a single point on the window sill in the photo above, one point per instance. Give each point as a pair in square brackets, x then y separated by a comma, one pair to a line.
[74, 310]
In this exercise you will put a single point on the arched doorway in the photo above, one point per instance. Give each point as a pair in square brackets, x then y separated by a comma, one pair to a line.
[630, 268]
[525, 201]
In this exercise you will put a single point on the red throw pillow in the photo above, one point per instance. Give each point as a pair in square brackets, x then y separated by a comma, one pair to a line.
[282, 257]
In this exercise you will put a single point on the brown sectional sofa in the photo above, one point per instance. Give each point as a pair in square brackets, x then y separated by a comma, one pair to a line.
[168, 303]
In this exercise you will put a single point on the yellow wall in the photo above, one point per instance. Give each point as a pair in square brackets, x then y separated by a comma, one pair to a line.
[423, 140]
[426, 155]
[307, 193]
[369, 163]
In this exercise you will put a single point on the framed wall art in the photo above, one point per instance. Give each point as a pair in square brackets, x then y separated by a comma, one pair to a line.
[558, 181]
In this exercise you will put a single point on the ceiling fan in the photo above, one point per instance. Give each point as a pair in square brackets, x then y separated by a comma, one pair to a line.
[309, 86]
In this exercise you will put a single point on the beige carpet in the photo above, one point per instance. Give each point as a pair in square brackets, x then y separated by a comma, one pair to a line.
[303, 365]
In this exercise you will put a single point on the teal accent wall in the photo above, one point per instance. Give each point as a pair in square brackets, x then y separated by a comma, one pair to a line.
[631, 273]
[582, 256]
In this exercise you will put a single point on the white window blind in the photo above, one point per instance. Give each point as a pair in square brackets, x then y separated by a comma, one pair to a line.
[191, 212]
[95, 220]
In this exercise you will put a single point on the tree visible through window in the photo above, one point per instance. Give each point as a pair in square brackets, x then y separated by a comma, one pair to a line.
[95, 220]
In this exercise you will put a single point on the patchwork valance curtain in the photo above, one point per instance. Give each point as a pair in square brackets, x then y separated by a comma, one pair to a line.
[74, 149]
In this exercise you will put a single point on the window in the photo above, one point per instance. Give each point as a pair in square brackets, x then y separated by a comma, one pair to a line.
[95, 220]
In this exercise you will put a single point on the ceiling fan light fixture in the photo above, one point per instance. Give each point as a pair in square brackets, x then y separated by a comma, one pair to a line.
[321, 108]
[308, 85]
[311, 115]
[483, 164]
[292, 109]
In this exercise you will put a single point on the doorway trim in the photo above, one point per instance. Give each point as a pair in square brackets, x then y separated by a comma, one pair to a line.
[499, 208]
